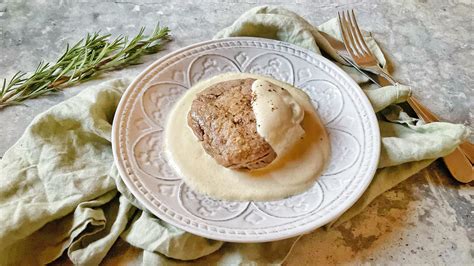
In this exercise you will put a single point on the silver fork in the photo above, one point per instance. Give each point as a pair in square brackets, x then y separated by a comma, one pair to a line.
[357, 47]
[457, 162]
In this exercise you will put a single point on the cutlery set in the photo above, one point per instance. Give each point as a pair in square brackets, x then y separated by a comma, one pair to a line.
[356, 53]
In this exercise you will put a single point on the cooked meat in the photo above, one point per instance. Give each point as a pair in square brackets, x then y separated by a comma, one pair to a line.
[222, 118]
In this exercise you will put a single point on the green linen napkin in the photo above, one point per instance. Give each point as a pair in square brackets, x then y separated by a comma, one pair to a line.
[407, 144]
[59, 189]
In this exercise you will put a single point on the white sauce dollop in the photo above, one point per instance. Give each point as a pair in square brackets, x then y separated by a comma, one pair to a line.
[278, 115]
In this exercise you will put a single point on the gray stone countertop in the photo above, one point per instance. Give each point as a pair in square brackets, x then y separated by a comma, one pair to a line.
[425, 220]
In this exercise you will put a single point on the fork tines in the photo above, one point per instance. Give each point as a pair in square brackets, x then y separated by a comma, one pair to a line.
[351, 33]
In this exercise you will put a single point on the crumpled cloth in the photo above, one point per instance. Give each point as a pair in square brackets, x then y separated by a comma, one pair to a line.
[60, 190]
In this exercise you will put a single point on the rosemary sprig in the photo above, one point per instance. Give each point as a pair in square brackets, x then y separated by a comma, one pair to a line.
[85, 59]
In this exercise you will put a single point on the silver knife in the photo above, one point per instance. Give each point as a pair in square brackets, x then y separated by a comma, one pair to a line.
[459, 162]
[342, 52]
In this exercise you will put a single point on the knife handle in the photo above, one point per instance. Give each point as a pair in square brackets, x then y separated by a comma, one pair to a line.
[457, 161]
[466, 147]
[421, 110]
[458, 165]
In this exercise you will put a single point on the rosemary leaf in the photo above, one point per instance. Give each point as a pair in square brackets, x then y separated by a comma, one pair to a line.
[83, 60]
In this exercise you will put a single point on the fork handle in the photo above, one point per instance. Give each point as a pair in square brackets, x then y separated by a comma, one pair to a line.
[378, 75]
[466, 147]
[459, 162]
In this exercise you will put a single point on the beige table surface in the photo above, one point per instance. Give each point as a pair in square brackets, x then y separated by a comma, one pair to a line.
[425, 220]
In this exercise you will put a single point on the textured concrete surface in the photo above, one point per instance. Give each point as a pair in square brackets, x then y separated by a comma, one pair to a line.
[425, 220]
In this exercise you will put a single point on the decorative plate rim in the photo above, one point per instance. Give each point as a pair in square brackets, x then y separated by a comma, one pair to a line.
[349, 201]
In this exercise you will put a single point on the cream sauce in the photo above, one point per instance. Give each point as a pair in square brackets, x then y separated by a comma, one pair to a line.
[293, 172]
[278, 115]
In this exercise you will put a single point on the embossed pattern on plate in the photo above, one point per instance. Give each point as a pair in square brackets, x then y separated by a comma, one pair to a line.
[342, 106]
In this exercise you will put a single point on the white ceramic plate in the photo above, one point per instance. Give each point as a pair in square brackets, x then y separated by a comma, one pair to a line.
[342, 106]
